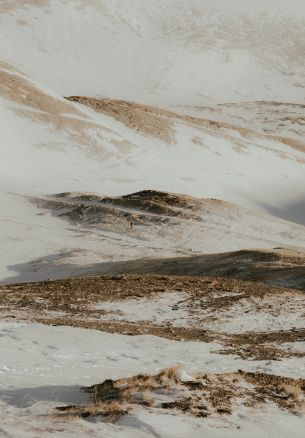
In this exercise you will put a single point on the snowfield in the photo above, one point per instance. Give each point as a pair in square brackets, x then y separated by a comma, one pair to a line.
[56, 49]
[53, 156]
[67, 358]
[195, 110]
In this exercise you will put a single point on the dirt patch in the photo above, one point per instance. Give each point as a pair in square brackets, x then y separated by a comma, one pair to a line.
[202, 314]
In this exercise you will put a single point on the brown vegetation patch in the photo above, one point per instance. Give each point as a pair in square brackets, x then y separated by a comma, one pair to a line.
[108, 412]
[159, 123]
[136, 329]
[73, 302]
[143, 118]
[204, 395]
[144, 207]
[76, 295]
[263, 345]
[39, 106]
[157, 202]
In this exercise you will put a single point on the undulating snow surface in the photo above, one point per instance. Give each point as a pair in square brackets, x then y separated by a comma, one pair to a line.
[194, 57]
[143, 51]
[44, 367]
[238, 319]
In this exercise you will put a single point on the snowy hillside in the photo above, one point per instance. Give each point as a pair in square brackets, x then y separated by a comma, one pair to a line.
[85, 45]
[152, 137]
[237, 52]
[53, 145]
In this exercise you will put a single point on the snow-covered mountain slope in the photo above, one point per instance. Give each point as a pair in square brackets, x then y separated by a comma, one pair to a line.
[51, 144]
[152, 98]
[86, 232]
[146, 52]
[270, 117]
[232, 50]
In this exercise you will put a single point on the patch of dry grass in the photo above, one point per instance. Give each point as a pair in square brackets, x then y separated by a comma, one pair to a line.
[143, 118]
[75, 301]
[203, 396]
[109, 412]
[159, 123]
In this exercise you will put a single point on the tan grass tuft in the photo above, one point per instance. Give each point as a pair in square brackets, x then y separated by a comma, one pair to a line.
[170, 374]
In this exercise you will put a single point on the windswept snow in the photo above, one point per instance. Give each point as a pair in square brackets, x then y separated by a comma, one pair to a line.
[174, 309]
[45, 366]
[158, 46]
[51, 145]
[200, 101]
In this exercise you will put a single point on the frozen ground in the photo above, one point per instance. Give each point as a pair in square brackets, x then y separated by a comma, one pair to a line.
[45, 366]
[147, 79]
[176, 309]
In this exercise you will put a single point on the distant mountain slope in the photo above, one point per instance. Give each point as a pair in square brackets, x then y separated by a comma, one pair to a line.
[146, 80]
[87, 232]
[148, 51]
[275, 267]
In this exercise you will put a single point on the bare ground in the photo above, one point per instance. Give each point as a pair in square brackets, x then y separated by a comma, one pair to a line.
[203, 310]
[169, 211]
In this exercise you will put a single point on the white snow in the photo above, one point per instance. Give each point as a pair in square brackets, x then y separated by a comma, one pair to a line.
[42, 367]
[74, 356]
[66, 48]
[173, 54]
[157, 309]
[173, 308]
[159, 45]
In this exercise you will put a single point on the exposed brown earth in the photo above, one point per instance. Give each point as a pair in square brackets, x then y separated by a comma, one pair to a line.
[148, 120]
[148, 202]
[159, 122]
[61, 115]
[204, 395]
[173, 214]
[206, 303]
[277, 267]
